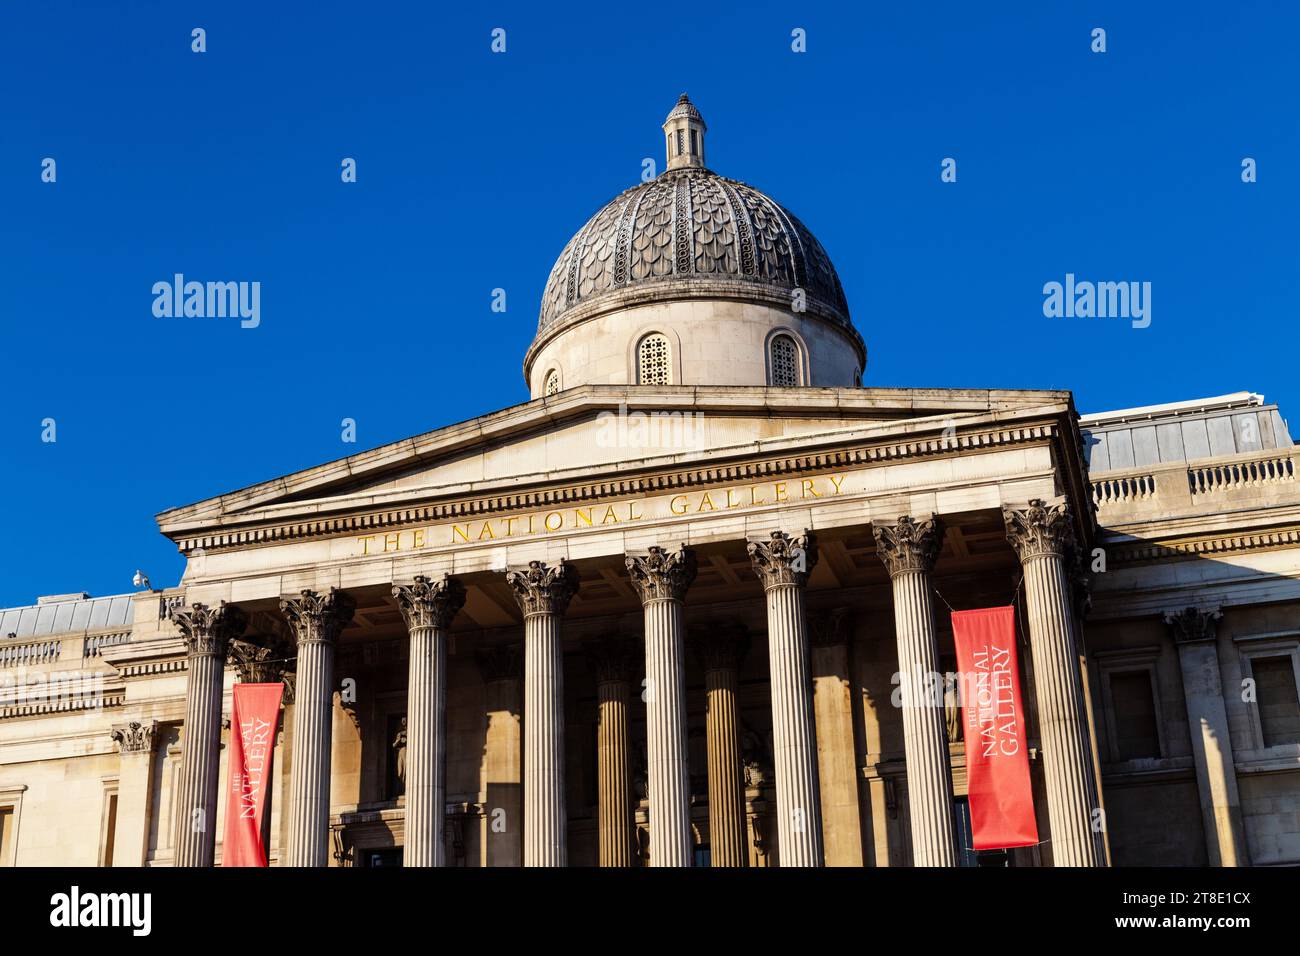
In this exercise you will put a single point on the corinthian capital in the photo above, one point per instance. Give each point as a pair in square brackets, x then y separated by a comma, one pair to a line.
[135, 737]
[208, 630]
[318, 618]
[782, 559]
[908, 544]
[540, 589]
[1191, 625]
[261, 663]
[614, 659]
[1039, 530]
[662, 574]
[427, 603]
[720, 648]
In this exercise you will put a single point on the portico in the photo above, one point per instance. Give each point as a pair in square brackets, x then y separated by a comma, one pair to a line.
[773, 535]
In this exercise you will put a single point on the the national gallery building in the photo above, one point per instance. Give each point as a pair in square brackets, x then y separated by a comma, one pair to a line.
[690, 606]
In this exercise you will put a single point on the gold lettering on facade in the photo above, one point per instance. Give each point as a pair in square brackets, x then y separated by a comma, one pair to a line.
[579, 518]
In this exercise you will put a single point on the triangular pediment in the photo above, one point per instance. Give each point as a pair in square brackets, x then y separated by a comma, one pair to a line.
[605, 433]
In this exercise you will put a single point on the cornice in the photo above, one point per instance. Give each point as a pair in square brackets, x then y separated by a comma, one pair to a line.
[875, 405]
[933, 443]
[1142, 552]
[108, 701]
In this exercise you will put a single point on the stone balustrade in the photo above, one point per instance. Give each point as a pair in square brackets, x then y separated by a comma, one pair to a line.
[1265, 478]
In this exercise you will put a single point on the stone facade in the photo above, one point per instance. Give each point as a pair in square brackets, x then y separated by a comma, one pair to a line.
[662, 624]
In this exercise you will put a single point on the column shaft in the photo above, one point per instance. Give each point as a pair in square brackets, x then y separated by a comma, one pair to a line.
[317, 620]
[428, 608]
[1061, 727]
[207, 631]
[925, 739]
[671, 843]
[196, 805]
[617, 829]
[727, 843]
[909, 549]
[309, 789]
[543, 594]
[545, 811]
[794, 742]
[426, 753]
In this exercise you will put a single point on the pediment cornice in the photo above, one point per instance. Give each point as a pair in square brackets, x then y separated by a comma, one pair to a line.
[881, 444]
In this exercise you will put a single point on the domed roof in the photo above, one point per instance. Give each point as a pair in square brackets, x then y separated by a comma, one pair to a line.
[690, 234]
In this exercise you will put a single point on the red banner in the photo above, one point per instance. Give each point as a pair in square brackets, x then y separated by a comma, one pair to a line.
[256, 712]
[997, 756]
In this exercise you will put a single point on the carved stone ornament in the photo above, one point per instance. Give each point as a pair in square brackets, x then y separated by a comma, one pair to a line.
[782, 559]
[662, 575]
[135, 737]
[1192, 625]
[261, 663]
[720, 648]
[614, 659]
[908, 544]
[1040, 530]
[208, 630]
[540, 589]
[428, 603]
[319, 618]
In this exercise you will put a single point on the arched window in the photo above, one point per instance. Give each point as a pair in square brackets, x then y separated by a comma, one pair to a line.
[783, 361]
[552, 382]
[653, 362]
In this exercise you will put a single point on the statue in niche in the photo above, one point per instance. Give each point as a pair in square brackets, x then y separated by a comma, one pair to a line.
[399, 758]
[754, 756]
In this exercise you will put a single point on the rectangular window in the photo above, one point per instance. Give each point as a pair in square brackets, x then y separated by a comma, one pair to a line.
[1136, 733]
[1277, 699]
[695, 144]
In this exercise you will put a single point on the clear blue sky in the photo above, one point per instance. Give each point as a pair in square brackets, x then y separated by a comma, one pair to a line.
[475, 168]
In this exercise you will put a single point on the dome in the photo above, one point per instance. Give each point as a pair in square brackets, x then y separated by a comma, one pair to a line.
[691, 234]
[732, 287]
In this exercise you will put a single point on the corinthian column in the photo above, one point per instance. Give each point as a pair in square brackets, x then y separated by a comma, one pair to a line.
[614, 664]
[1042, 536]
[662, 578]
[543, 594]
[428, 608]
[317, 620]
[782, 564]
[720, 654]
[207, 632]
[909, 549]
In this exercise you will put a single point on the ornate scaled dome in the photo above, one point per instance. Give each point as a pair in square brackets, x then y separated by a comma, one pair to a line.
[687, 238]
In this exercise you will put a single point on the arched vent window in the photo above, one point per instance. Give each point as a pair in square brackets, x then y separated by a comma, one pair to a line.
[784, 361]
[653, 361]
[552, 382]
